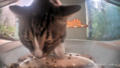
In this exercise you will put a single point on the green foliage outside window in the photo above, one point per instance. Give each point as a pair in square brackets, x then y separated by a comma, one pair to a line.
[105, 20]
[6, 30]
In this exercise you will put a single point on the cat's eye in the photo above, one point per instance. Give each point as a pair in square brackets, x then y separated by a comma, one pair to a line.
[27, 39]
[31, 48]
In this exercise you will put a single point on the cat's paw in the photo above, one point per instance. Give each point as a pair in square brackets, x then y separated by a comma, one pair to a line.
[60, 50]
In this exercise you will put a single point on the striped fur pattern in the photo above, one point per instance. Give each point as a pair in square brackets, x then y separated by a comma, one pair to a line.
[42, 26]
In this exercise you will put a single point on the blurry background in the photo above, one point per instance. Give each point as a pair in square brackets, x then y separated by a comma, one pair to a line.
[79, 32]
[104, 20]
[7, 20]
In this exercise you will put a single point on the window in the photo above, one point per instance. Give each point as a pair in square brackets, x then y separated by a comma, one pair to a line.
[103, 19]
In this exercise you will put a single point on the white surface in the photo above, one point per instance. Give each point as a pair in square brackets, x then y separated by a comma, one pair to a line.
[3, 41]
[9, 46]
[12, 56]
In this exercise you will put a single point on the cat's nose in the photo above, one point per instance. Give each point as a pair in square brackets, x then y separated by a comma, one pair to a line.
[50, 39]
[38, 53]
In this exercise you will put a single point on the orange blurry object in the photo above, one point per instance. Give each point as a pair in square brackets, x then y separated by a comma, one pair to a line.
[75, 23]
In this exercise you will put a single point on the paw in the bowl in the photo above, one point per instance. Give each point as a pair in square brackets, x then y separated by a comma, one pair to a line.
[14, 65]
[27, 62]
[21, 59]
[30, 56]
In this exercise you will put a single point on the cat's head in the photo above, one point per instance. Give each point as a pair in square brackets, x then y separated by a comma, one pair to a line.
[38, 9]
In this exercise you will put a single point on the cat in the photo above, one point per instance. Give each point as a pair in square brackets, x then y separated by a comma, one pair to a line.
[42, 26]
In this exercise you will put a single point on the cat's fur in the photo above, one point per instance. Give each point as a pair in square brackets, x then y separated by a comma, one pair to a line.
[42, 26]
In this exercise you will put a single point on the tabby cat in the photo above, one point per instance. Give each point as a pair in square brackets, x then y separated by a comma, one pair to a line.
[42, 26]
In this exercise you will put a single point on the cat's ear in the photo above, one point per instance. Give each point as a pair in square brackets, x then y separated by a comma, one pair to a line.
[18, 10]
[69, 10]
[57, 2]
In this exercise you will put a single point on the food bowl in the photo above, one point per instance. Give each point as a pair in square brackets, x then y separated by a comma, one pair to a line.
[104, 54]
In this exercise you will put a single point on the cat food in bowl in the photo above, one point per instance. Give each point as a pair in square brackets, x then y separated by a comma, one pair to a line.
[70, 60]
